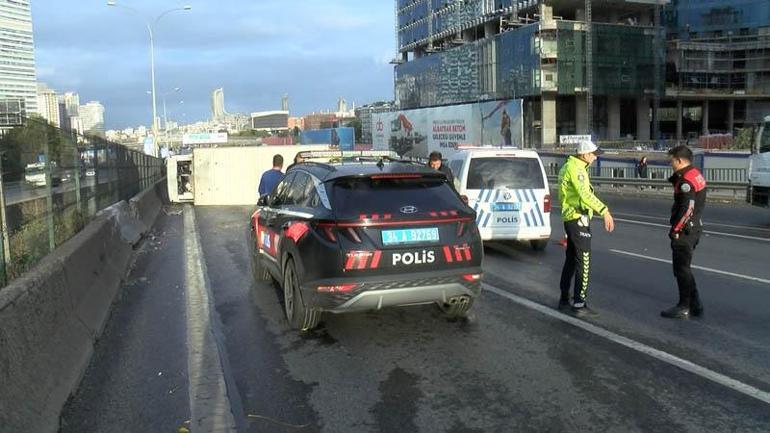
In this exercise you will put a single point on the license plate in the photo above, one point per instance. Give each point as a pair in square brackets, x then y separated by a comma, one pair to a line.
[506, 207]
[409, 236]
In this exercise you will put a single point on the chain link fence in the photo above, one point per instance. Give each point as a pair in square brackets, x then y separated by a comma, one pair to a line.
[54, 182]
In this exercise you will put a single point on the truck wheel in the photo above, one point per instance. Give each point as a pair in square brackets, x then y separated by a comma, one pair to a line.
[299, 316]
[539, 244]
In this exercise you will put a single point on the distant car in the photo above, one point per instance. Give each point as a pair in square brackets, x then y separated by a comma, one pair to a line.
[508, 189]
[361, 233]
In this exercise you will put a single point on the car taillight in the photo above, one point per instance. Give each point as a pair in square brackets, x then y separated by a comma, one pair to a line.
[460, 229]
[351, 233]
[297, 230]
[547, 203]
[328, 233]
[472, 278]
[340, 288]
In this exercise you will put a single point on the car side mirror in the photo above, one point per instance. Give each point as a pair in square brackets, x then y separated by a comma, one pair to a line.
[263, 200]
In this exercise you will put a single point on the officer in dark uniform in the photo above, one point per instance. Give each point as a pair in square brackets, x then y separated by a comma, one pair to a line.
[686, 226]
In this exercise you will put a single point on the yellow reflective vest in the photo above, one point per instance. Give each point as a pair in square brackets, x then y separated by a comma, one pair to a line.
[576, 193]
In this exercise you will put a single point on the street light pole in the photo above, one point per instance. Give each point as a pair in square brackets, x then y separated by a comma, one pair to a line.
[150, 27]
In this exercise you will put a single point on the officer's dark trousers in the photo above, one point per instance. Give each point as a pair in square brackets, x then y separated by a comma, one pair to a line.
[682, 250]
[577, 263]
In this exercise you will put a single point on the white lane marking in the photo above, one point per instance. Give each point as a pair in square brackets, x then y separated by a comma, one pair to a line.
[702, 268]
[706, 223]
[731, 235]
[210, 407]
[660, 355]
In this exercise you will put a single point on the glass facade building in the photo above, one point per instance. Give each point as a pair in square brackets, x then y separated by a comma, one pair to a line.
[455, 52]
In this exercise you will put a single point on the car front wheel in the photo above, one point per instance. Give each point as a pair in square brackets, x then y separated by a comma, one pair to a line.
[297, 314]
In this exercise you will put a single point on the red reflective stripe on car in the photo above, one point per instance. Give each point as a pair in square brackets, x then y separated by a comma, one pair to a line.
[453, 213]
[363, 259]
[448, 255]
[388, 216]
[467, 249]
[376, 259]
[351, 261]
[458, 255]
[434, 214]
[362, 216]
[444, 213]
[375, 217]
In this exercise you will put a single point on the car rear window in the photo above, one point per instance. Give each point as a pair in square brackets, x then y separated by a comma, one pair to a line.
[352, 197]
[505, 172]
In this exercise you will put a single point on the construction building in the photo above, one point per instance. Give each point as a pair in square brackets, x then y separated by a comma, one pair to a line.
[718, 66]
[581, 67]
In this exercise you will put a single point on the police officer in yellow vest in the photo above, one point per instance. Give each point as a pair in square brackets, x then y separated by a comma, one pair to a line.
[578, 205]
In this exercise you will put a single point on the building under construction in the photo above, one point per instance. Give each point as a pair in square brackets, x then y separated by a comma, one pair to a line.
[718, 66]
[564, 58]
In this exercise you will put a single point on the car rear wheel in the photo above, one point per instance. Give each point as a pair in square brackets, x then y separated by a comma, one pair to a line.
[258, 270]
[456, 308]
[299, 316]
[539, 244]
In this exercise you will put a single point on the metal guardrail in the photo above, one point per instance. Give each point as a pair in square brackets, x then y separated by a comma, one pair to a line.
[738, 189]
[712, 175]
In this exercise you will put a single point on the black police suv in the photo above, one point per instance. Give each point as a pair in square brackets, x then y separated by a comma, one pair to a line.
[363, 233]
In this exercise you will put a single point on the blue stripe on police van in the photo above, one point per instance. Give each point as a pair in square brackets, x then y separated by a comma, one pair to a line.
[486, 221]
[489, 196]
[481, 195]
[526, 218]
[479, 216]
[534, 219]
[518, 195]
[540, 215]
[534, 197]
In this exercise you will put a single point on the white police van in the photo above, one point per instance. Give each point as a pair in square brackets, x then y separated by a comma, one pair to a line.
[508, 189]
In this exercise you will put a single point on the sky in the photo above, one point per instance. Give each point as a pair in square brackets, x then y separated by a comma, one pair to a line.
[257, 50]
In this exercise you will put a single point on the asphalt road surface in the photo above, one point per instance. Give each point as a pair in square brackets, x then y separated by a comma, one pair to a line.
[515, 365]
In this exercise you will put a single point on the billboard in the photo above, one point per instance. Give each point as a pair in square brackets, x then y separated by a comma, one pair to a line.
[344, 138]
[418, 132]
[204, 138]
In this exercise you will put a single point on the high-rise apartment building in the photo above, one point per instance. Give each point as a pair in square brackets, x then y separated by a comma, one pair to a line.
[17, 56]
[579, 70]
[92, 116]
[69, 106]
[218, 112]
[718, 66]
[48, 104]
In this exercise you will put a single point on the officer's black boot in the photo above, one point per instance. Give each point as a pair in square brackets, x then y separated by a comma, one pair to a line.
[676, 312]
[696, 308]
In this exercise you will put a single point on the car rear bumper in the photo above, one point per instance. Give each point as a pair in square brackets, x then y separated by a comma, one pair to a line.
[389, 291]
[516, 234]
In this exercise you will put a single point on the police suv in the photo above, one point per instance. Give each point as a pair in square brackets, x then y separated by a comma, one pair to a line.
[508, 189]
[357, 231]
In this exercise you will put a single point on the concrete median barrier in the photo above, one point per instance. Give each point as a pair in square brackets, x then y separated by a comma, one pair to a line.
[51, 317]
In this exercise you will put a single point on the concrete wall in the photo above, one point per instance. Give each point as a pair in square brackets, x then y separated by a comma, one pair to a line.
[230, 175]
[51, 317]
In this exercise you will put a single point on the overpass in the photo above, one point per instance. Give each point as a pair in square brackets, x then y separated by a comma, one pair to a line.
[149, 320]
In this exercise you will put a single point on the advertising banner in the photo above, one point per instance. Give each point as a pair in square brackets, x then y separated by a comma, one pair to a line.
[204, 138]
[418, 132]
[344, 138]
